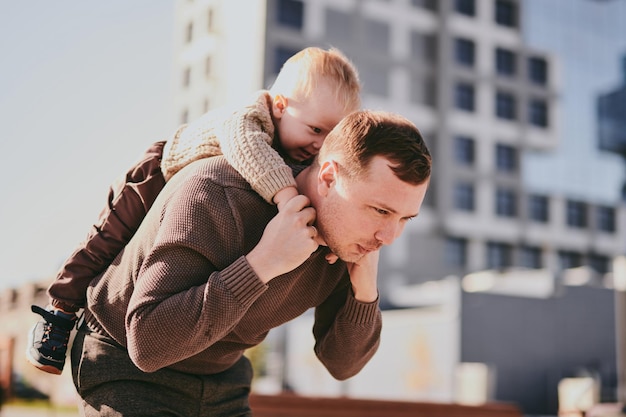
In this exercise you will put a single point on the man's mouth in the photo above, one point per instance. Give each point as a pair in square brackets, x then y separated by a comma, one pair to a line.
[364, 250]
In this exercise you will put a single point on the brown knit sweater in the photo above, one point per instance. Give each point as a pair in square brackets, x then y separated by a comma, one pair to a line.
[244, 135]
[181, 294]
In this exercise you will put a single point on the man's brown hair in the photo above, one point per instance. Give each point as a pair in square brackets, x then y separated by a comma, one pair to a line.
[362, 135]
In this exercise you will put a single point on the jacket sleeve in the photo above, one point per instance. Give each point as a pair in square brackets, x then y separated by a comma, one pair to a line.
[128, 201]
[347, 333]
[246, 143]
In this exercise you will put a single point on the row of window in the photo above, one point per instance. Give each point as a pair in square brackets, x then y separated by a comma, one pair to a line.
[505, 61]
[342, 27]
[505, 105]
[501, 255]
[506, 156]
[207, 71]
[184, 116]
[423, 90]
[210, 26]
[505, 11]
[291, 12]
[506, 205]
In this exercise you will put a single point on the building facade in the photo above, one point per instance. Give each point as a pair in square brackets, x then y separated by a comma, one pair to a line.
[459, 69]
[611, 113]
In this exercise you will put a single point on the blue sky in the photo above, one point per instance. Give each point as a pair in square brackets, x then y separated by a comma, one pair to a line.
[84, 88]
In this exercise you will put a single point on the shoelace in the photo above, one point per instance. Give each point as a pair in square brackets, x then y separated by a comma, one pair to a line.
[57, 329]
[55, 337]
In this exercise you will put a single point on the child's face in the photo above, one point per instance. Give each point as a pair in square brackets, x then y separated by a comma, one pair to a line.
[303, 124]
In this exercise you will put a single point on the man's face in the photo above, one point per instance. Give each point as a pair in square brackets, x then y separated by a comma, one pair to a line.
[357, 216]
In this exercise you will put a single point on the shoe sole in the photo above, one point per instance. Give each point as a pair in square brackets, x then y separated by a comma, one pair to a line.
[46, 368]
[33, 361]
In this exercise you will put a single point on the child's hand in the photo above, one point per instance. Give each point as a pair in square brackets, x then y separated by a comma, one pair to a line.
[284, 195]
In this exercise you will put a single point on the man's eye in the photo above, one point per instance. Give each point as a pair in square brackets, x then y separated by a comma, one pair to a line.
[316, 129]
[382, 211]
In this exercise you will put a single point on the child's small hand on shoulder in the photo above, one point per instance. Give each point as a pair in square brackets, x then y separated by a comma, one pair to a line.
[284, 195]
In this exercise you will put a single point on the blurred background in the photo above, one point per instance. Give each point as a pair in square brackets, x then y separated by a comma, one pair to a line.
[506, 288]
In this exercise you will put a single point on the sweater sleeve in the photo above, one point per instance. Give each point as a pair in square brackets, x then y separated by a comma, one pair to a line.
[246, 143]
[347, 333]
[191, 288]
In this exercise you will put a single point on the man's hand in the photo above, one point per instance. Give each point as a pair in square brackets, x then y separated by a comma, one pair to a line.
[283, 196]
[288, 240]
[363, 276]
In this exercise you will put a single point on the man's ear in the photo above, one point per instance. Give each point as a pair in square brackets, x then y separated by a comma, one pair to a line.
[327, 176]
[279, 105]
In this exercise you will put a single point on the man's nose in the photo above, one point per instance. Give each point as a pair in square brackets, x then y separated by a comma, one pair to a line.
[388, 233]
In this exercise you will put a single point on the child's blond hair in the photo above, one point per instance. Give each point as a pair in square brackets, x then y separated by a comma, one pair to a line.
[301, 73]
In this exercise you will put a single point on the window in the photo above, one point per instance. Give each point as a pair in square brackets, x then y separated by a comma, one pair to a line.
[189, 32]
[207, 67]
[505, 106]
[464, 197]
[538, 208]
[430, 91]
[498, 255]
[538, 113]
[184, 117]
[456, 251]
[464, 96]
[506, 13]
[538, 70]
[375, 80]
[423, 47]
[282, 54]
[464, 152]
[605, 218]
[464, 50]
[466, 7]
[290, 13]
[506, 62]
[530, 257]
[576, 214]
[210, 20]
[425, 4]
[377, 36]
[423, 90]
[506, 158]
[339, 26]
[569, 259]
[187, 77]
[506, 203]
[599, 263]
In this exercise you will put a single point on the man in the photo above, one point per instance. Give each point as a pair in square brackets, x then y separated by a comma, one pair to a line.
[213, 268]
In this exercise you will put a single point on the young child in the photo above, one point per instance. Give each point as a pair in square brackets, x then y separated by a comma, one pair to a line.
[283, 126]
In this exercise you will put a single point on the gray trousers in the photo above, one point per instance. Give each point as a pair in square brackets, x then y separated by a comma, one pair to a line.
[109, 384]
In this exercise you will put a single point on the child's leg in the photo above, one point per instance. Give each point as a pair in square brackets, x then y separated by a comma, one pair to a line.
[129, 200]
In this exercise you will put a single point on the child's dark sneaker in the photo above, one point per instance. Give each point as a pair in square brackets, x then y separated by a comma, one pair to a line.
[47, 342]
